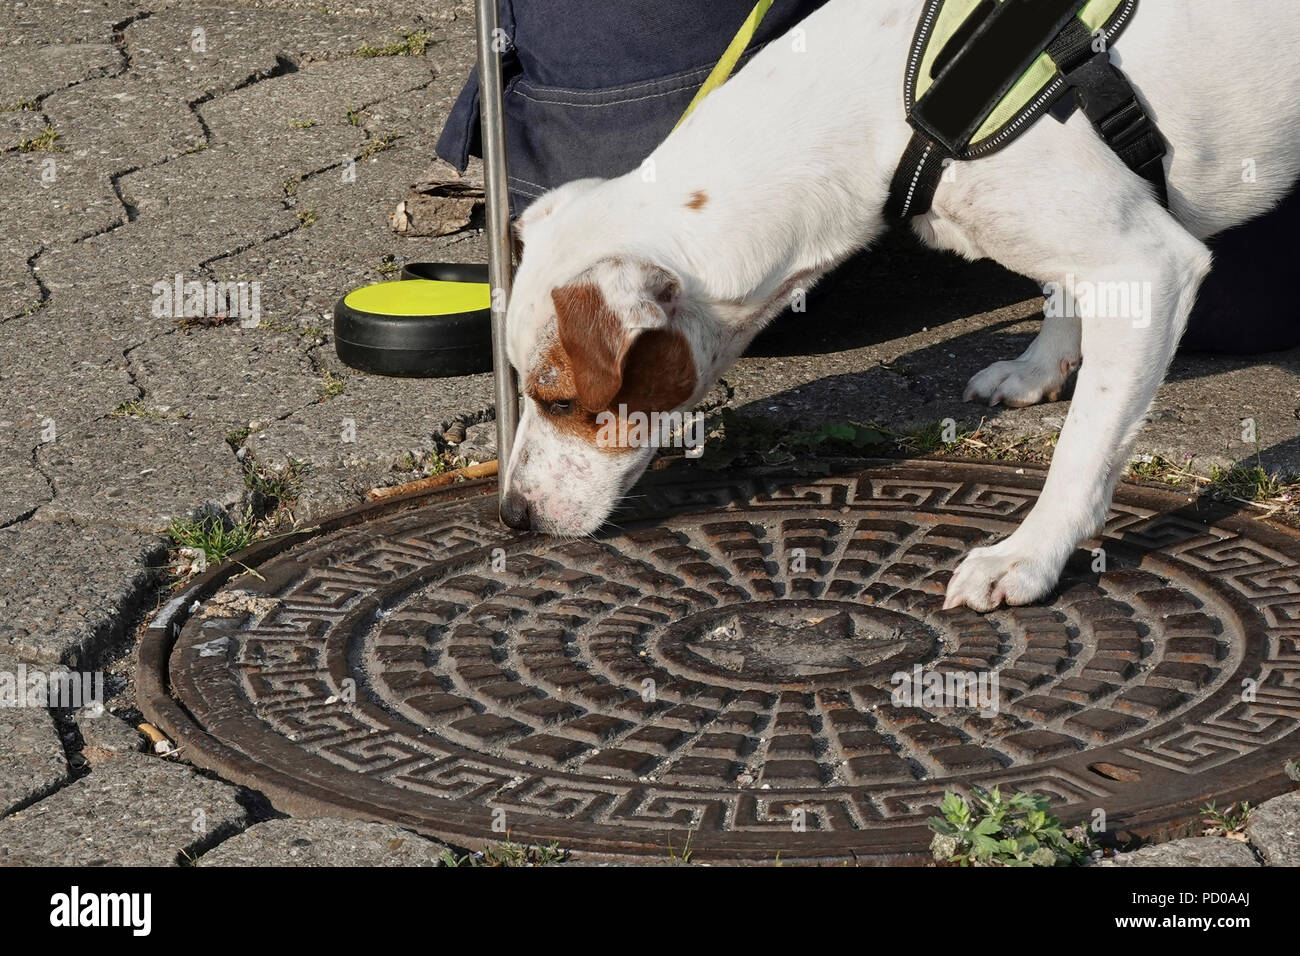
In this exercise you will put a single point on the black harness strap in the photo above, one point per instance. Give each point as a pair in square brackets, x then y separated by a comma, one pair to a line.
[1103, 92]
[1111, 105]
[916, 178]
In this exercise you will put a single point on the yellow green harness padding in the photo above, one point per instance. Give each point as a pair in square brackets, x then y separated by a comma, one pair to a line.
[1030, 93]
[981, 72]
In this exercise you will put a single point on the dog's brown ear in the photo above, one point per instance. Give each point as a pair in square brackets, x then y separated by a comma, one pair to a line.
[628, 353]
[594, 340]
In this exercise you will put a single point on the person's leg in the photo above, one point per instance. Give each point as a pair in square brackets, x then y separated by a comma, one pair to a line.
[1247, 304]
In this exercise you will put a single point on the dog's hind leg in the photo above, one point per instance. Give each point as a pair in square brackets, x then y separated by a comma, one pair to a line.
[1039, 374]
[1060, 208]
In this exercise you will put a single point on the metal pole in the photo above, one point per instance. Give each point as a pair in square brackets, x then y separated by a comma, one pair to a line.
[500, 267]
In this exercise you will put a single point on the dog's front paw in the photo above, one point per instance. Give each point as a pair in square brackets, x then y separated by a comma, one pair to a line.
[1020, 382]
[1003, 573]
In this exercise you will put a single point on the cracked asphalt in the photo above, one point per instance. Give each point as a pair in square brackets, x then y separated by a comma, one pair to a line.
[217, 143]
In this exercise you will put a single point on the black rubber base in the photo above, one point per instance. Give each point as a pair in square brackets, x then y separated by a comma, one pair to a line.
[418, 346]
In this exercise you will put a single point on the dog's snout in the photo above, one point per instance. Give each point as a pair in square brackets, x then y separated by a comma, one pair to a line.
[514, 511]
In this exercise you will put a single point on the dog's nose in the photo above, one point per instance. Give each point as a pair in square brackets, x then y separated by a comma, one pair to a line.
[514, 510]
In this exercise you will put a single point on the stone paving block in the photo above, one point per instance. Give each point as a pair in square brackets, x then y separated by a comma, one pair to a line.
[66, 590]
[387, 418]
[419, 118]
[29, 72]
[229, 375]
[59, 371]
[132, 811]
[1274, 829]
[1194, 851]
[121, 122]
[140, 472]
[61, 22]
[22, 487]
[1185, 422]
[175, 237]
[19, 125]
[106, 736]
[226, 170]
[55, 196]
[242, 42]
[260, 115]
[324, 842]
[32, 762]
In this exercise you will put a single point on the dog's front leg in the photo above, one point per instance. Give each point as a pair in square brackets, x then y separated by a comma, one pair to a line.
[1132, 274]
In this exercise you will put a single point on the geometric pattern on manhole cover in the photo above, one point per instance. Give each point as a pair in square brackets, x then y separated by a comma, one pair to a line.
[722, 668]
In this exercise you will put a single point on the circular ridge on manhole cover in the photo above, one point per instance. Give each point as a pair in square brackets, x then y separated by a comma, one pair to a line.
[734, 666]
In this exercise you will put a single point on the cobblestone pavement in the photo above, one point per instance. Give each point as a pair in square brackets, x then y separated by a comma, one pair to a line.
[140, 141]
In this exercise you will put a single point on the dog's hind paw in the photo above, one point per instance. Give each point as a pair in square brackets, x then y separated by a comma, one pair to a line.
[1020, 382]
[997, 575]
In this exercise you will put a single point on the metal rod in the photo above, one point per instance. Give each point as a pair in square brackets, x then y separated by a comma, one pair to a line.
[500, 265]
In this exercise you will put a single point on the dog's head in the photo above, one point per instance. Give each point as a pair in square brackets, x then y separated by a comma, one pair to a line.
[595, 338]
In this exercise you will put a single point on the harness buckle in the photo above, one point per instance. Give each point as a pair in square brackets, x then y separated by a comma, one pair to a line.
[1109, 101]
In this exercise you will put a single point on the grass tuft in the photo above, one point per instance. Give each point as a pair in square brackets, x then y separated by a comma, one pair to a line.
[217, 537]
[43, 142]
[413, 43]
[331, 385]
[378, 145]
[276, 489]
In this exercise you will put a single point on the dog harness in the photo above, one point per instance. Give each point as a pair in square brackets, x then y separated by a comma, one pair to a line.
[981, 72]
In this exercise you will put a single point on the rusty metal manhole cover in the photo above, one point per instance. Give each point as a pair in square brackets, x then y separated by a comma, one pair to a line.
[721, 670]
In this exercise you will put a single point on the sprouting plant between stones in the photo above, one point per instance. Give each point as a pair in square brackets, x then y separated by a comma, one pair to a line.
[508, 854]
[43, 142]
[1228, 822]
[215, 537]
[1015, 830]
[412, 43]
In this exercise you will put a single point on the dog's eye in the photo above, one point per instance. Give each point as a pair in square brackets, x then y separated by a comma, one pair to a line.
[560, 408]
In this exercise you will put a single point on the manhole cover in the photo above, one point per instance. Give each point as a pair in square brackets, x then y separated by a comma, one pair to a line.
[731, 667]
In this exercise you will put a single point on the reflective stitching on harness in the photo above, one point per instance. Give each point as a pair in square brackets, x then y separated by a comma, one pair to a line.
[916, 177]
[1138, 143]
[918, 50]
[1052, 89]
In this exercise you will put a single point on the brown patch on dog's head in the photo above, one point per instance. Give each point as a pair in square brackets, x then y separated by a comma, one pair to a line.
[550, 384]
[699, 199]
[602, 360]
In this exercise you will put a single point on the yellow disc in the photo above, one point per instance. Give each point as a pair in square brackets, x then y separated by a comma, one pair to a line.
[420, 297]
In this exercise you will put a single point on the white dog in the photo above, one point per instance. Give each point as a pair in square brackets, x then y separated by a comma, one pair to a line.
[637, 293]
